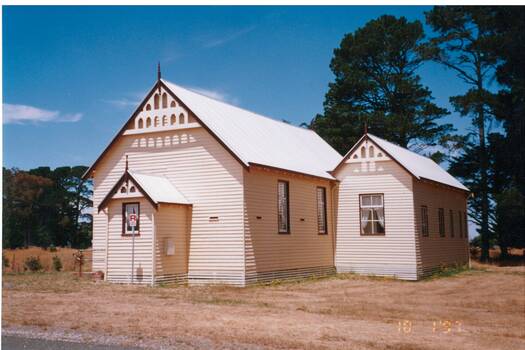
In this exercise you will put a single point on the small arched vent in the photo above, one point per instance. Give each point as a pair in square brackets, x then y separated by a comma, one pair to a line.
[156, 101]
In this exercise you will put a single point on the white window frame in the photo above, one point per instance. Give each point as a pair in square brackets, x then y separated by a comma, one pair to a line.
[373, 208]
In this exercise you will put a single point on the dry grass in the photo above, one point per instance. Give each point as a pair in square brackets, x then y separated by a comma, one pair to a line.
[17, 257]
[485, 308]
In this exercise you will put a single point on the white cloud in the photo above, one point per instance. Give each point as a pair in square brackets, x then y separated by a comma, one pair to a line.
[23, 114]
[215, 94]
[214, 42]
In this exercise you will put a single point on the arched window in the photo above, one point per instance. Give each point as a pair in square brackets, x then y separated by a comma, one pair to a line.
[355, 156]
[123, 189]
[173, 104]
[181, 118]
[173, 119]
[363, 152]
[164, 120]
[148, 107]
[156, 101]
[148, 122]
[164, 100]
[380, 154]
[132, 189]
[157, 121]
[141, 123]
[371, 151]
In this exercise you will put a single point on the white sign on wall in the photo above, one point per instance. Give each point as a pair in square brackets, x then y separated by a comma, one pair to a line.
[169, 244]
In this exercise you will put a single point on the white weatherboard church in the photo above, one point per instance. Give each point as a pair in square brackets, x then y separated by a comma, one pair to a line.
[224, 195]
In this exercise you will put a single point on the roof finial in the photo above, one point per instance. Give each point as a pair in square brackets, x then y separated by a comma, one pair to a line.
[158, 71]
[366, 127]
[126, 162]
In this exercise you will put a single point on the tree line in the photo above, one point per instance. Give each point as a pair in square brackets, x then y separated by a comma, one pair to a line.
[377, 83]
[46, 207]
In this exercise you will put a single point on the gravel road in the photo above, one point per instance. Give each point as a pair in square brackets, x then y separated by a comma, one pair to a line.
[19, 343]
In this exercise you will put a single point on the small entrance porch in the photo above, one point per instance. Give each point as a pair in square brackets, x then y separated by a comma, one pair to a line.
[156, 249]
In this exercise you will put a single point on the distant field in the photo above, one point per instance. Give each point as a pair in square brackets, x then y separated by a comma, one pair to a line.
[17, 257]
[482, 308]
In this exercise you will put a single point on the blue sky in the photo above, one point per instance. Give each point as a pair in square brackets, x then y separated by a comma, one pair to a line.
[77, 73]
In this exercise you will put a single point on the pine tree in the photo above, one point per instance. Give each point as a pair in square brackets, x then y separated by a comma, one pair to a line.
[465, 35]
[376, 82]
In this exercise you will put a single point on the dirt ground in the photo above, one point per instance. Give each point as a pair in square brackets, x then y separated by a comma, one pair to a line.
[483, 308]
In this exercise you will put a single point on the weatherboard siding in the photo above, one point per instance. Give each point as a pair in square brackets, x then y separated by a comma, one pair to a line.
[394, 253]
[120, 247]
[207, 175]
[98, 242]
[435, 251]
[302, 252]
[172, 222]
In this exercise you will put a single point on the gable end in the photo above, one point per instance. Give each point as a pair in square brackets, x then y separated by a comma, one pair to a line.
[131, 125]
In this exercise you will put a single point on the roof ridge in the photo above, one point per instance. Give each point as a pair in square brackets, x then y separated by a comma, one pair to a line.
[238, 107]
[401, 147]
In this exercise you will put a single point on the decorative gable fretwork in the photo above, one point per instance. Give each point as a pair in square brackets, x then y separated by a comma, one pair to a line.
[128, 189]
[367, 152]
[161, 113]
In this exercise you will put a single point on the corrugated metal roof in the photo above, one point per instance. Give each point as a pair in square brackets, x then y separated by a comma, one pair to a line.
[261, 140]
[421, 167]
[159, 188]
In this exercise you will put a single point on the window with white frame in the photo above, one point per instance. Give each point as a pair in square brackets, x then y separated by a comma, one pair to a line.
[321, 211]
[372, 214]
[283, 207]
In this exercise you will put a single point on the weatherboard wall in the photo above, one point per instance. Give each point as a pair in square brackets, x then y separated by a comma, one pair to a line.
[205, 173]
[172, 223]
[120, 248]
[435, 251]
[391, 254]
[302, 252]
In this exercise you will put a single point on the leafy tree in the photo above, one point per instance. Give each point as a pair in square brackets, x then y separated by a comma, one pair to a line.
[67, 203]
[376, 82]
[465, 35]
[22, 194]
[48, 206]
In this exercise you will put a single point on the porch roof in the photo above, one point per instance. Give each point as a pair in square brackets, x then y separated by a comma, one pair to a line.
[157, 189]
